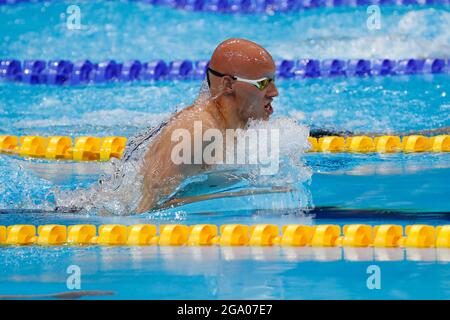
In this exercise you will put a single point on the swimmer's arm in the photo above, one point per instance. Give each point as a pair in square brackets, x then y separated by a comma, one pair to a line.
[221, 195]
[161, 174]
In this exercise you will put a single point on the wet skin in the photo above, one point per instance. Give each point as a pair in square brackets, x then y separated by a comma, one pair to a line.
[231, 105]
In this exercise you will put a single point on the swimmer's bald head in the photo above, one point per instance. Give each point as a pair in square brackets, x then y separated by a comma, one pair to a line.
[241, 57]
[245, 59]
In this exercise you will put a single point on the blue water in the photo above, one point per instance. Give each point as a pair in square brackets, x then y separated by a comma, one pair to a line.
[123, 30]
[340, 188]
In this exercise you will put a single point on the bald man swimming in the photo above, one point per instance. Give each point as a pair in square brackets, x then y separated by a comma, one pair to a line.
[241, 83]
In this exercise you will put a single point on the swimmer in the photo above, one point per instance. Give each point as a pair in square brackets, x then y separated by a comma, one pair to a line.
[241, 80]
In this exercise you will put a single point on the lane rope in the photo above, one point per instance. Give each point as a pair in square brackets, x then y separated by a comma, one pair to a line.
[88, 148]
[266, 6]
[274, 6]
[292, 235]
[65, 72]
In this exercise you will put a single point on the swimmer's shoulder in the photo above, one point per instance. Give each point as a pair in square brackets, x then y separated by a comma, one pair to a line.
[190, 117]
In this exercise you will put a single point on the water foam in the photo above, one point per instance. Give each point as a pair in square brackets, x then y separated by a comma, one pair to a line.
[19, 189]
[120, 193]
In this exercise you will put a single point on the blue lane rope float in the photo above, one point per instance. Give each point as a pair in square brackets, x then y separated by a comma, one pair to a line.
[65, 72]
[266, 6]
[103, 149]
[269, 6]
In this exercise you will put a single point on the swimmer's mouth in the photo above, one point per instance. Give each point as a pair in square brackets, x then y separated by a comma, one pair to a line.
[268, 108]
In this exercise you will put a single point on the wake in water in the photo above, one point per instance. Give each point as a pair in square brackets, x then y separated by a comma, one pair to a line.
[120, 192]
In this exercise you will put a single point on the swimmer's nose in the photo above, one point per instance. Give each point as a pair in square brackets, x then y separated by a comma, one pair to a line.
[272, 90]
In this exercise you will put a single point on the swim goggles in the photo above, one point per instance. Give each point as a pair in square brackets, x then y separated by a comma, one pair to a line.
[261, 84]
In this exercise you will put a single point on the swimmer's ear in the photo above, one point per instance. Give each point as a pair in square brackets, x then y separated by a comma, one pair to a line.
[227, 85]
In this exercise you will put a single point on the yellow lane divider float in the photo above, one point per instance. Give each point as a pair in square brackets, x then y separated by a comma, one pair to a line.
[102, 149]
[61, 147]
[355, 235]
[382, 144]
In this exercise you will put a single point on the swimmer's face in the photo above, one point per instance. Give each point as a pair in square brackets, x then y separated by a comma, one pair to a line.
[254, 103]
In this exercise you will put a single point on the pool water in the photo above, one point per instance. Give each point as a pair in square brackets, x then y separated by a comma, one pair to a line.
[332, 188]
